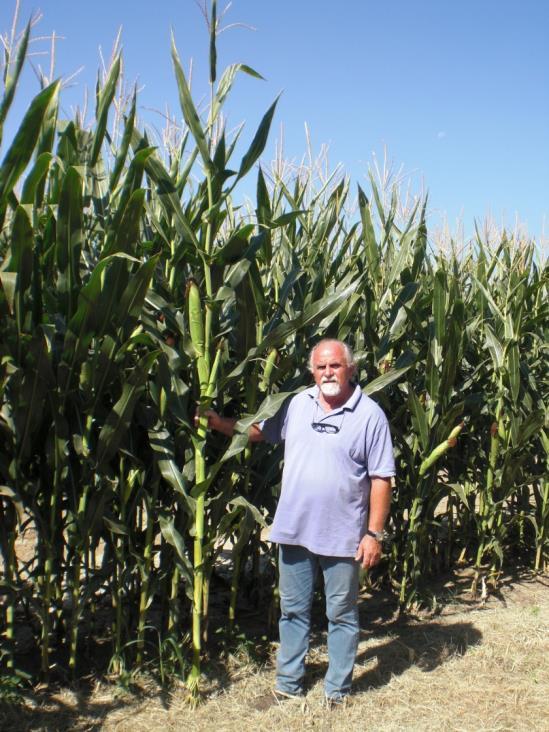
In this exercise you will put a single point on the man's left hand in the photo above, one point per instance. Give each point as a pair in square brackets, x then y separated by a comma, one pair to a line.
[368, 552]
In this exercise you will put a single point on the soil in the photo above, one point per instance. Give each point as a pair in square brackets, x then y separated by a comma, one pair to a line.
[472, 665]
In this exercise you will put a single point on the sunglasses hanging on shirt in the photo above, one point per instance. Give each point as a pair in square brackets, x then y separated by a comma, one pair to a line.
[326, 427]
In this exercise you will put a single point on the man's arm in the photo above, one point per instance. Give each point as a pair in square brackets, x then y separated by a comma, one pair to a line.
[226, 426]
[369, 549]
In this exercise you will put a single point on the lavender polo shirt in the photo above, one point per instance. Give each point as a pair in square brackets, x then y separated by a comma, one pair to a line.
[325, 494]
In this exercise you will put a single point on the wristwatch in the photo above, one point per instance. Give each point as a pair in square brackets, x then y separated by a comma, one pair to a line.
[378, 535]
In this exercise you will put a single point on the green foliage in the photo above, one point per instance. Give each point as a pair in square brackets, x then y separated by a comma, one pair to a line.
[131, 296]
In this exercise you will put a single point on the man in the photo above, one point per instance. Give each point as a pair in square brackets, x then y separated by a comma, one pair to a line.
[335, 499]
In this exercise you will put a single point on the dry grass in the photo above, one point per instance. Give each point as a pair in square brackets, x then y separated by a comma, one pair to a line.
[471, 668]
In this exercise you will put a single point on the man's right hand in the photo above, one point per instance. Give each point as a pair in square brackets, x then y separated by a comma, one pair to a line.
[225, 425]
[216, 422]
[368, 552]
[208, 413]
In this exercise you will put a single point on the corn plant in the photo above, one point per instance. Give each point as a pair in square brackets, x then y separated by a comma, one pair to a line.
[135, 292]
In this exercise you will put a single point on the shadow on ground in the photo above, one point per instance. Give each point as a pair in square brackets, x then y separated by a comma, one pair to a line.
[425, 645]
[47, 711]
[401, 645]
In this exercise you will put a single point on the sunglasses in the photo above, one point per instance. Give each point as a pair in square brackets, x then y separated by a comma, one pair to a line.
[331, 429]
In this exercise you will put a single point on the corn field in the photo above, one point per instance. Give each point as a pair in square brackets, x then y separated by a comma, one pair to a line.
[135, 289]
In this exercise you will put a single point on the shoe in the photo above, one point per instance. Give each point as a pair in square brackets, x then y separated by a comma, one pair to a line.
[336, 702]
[280, 695]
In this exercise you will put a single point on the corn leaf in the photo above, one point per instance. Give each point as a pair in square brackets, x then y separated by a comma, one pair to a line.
[122, 152]
[118, 421]
[104, 102]
[258, 143]
[419, 420]
[36, 177]
[10, 80]
[20, 151]
[189, 111]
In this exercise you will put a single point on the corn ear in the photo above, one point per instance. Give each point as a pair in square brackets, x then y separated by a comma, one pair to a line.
[270, 363]
[215, 369]
[196, 321]
[203, 373]
[439, 450]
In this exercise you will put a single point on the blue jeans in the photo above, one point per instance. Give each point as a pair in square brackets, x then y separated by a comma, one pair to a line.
[298, 567]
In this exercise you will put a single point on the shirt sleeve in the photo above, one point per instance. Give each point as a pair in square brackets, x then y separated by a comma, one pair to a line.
[274, 428]
[379, 448]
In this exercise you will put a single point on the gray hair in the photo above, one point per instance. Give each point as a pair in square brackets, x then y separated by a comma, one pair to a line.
[349, 355]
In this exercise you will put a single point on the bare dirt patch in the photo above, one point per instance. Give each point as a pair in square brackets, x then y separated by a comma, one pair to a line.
[473, 667]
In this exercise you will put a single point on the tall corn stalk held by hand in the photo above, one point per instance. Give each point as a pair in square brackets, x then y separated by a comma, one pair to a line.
[214, 210]
[207, 378]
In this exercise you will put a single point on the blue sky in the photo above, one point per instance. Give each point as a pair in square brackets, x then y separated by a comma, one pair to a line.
[456, 94]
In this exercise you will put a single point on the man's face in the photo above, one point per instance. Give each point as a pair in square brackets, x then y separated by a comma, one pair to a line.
[331, 372]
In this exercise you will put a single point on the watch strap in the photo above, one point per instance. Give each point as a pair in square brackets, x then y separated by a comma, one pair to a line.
[377, 535]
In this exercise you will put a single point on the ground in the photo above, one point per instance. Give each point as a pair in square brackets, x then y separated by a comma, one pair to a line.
[473, 666]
